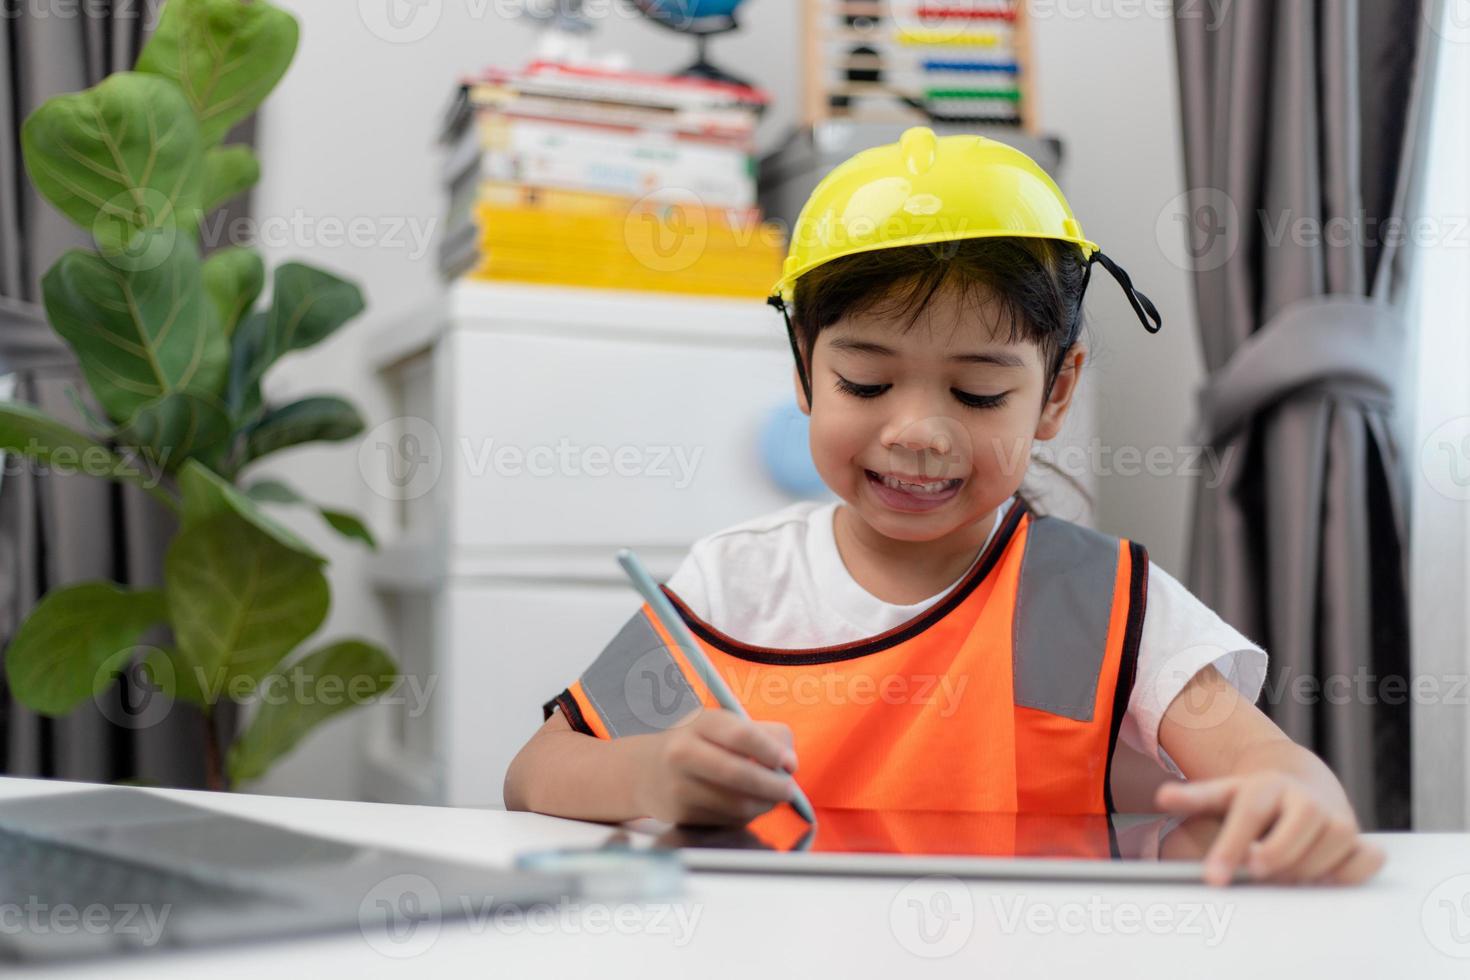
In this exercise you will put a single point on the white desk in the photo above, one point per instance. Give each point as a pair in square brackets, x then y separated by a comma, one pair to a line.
[753, 926]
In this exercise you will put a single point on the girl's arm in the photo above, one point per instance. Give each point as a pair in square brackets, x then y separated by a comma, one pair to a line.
[1286, 817]
[713, 768]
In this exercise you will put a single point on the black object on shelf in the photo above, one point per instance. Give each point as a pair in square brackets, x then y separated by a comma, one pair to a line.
[699, 28]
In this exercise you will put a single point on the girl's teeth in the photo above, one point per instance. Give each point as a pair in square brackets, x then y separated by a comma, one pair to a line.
[898, 484]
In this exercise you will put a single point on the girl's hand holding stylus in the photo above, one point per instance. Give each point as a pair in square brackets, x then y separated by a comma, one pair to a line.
[1280, 828]
[714, 768]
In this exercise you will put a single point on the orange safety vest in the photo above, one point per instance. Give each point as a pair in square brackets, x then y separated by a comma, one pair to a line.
[1005, 696]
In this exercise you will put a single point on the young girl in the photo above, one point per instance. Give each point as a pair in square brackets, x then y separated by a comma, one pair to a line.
[931, 643]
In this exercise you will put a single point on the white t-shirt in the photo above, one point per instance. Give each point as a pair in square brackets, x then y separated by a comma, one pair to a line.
[779, 581]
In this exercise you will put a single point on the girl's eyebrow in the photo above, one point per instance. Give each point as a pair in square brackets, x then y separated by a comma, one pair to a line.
[998, 358]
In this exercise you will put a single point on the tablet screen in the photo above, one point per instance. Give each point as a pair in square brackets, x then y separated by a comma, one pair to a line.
[1088, 837]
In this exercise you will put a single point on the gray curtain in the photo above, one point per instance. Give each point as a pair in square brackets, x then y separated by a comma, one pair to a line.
[57, 529]
[1302, 115]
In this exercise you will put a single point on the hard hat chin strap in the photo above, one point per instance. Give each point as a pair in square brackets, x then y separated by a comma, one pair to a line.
[806, 383]
[1148, 314]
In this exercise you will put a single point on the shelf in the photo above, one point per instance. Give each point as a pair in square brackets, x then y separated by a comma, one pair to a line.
[570, 311]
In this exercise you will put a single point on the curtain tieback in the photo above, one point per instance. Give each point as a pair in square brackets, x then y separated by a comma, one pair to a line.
[1348, 345]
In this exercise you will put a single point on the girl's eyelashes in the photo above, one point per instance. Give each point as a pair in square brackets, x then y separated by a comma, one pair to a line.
[964, 397]
[861, 391]
[979, 401]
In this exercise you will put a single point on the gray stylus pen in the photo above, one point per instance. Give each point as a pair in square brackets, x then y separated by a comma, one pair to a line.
[643, 582]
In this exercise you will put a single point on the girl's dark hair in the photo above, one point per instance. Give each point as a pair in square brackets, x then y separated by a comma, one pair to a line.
[1036, 284]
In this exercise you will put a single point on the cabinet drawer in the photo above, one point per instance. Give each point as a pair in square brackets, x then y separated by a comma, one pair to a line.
[597, 443]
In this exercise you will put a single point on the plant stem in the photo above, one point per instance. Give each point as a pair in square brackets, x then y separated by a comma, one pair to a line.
[214, 778]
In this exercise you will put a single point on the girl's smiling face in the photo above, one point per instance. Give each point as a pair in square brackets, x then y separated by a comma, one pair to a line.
[925, 431]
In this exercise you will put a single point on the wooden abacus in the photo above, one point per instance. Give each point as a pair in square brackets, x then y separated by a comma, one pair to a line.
[941, 61]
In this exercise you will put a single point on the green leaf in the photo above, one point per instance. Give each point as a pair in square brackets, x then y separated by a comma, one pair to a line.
[250, 356]
[228, 170]
[321, 419]
[31, 433]
[67, 648]
[178, 426]
[233, 279]
[273, 492]
[123, 160]
[239, 599]
[350, 526]
[138, 334]
[345, 524]
[295, 700]
[178, 678]
[308, 306]
[226, 55]
[100, 427]
[208, 495]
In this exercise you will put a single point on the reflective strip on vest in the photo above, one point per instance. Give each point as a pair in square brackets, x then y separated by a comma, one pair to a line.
[1006, 695]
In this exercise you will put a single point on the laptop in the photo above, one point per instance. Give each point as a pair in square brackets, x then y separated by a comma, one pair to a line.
[120, 869]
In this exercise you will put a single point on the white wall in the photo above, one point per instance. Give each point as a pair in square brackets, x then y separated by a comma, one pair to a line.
[1437, 456]
[349, 135]
[1108, 88]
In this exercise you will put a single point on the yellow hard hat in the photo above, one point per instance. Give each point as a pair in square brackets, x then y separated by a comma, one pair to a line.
[926, 189]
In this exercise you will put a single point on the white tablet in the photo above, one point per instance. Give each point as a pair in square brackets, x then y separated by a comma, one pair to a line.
[907, 843]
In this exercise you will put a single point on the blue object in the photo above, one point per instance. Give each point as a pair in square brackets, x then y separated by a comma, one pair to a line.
[785, 449]
[682, 11]
[1009, 67]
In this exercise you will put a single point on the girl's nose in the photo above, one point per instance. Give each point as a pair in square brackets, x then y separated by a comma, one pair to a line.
[938, 442]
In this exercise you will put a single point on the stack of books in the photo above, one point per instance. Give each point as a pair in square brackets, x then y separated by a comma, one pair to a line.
[617, 180]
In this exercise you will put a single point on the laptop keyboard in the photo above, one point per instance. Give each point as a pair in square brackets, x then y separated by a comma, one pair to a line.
[56, 897]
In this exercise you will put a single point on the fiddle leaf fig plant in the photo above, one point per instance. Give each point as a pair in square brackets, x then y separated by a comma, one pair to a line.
[173, 347]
